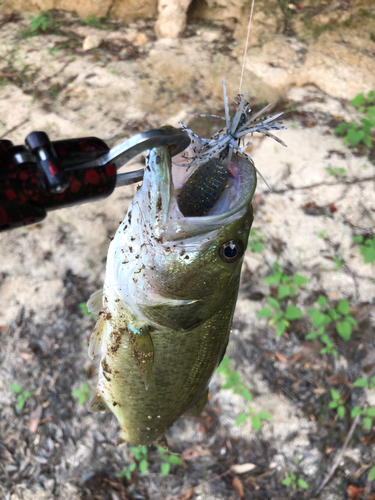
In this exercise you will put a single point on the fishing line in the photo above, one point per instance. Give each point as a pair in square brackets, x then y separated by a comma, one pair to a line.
[247, 43]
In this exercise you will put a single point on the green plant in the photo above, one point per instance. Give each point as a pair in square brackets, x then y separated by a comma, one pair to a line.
[41, 23]
[167, 459]
[295, 482]
[286, 284]
[337, 403]
[255, 419]
[355, 133]
[368, 416]
[82, 393]
[339, 261]
[22, 396]
[367, 248]
[278, 316]
[93, 21]
[338, 172]
[233, 380]
[340, 316]
[140, 460]
[255, 241]
[364, 382]
[371, 474]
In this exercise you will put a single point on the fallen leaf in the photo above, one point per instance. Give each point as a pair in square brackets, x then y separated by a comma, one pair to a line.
[237, 483]
[186, 495]
[280, 357]
[242, 468]
[195, 452]
[354, 492]
[332, 208]
[34, 418]
[338, 379]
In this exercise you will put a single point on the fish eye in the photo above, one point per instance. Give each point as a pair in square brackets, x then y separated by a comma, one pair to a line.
[231, 251]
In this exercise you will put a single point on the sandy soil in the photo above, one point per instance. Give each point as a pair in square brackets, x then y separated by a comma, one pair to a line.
[55, 448]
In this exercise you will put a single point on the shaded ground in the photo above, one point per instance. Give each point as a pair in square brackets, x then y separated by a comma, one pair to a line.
[54, 448]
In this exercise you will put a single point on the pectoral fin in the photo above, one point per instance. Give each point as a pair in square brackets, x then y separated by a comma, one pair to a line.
[97, 336]
[95, 302]
[143, 351]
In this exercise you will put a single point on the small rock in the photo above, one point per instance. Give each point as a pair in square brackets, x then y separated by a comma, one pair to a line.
[91, 42]
[172, 18]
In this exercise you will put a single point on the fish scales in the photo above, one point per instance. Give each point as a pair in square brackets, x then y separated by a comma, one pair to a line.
[168, 300]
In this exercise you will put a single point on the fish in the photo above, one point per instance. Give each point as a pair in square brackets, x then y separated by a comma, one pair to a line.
[170, 290]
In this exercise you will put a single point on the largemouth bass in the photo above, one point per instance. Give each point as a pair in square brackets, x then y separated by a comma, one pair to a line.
[169, 295]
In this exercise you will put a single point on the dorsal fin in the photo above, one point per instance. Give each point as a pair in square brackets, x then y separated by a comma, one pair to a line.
[95, 302]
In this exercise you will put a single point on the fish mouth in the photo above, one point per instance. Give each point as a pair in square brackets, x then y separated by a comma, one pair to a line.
[182, 202]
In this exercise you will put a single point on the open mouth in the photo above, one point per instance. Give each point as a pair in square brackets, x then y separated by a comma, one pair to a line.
[213, 189]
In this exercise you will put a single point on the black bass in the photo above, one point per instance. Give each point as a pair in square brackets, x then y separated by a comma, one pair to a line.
[170, 292]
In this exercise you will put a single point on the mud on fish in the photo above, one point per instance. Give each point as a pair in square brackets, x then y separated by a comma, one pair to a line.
[172, 279]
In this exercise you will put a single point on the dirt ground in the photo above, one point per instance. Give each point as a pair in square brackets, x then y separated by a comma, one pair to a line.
[53, 447]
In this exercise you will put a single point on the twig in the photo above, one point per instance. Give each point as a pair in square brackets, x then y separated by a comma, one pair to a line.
[340, 455]
[14, 128]
[347, 182]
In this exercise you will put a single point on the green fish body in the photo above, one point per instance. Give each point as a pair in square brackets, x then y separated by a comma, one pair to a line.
[169, 296]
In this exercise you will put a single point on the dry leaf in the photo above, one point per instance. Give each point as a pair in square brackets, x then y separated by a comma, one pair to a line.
[280, 357]
[237, 483]
[34, 418]
[195, 452]
[242, 468]
[354, 492]
[338, 379]
[186, 495]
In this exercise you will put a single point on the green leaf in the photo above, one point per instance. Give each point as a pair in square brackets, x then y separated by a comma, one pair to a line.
[245, 393]
[371, 412]
[343, 307]
[341, 411]
[263, 415]
[266, 312]
[358, 239]
[354, 137]
[356, 411]
[283, 291]
[332, 405]
[302, 484]
[367, 422]
[256, 422]
[371, 96]
[274, 278]
[143, 466]
[358, 100]
[367, 141]
[20, 402]
[368, 254]
[165, 469]
[361, 382]
[175, 459]
[273, 303]
[335, 395]
[16, 388]
[281, 327]
[342, 128]
[299, 280]
[344, 330]
[371, 475]
[293, 312]
[240, 419]
[286, 481]
[228, 385]
[311, 336]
